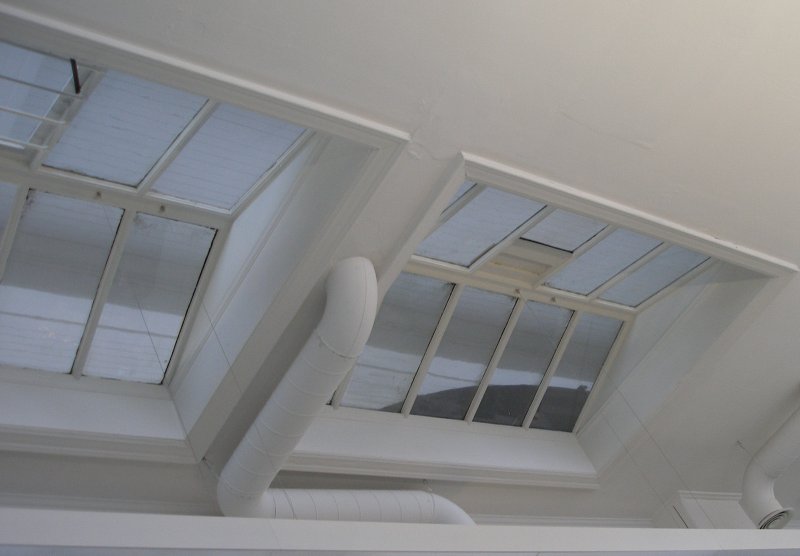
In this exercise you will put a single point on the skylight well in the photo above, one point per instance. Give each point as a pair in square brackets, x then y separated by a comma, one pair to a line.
[510, 312]
[97, 276]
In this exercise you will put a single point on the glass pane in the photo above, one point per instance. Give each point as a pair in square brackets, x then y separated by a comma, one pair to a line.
[462, 189]
[654, 276]
[33, 67]
[16, 127]
[403, 328]
[523, 364]
[481, 224]
[7, 194]
[227, 156]
[462, 357]
[123, 129]
[577, 372]
[603, 261]
[153, 286]
[59, 254]
[564, 230]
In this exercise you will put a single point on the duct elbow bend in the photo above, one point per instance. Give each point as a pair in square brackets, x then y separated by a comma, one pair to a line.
[448, 512]
[352, 300]
[758, 498]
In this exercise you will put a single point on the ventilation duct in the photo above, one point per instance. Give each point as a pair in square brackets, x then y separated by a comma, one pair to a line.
[758, 488]
[309, 383]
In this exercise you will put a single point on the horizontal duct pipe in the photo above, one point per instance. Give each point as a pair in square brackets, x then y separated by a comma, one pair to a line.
[322, 363]
[758, 488]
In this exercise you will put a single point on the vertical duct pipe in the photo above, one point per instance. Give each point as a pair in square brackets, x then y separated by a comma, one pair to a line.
[758, 487]
[322, 363]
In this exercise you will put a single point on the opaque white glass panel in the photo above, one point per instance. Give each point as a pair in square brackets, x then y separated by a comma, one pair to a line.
[153, 286]
[482, 223]
[464, 353]
[577, 372]
[59, 253]
[523, 364]
[227, 156]
[8, 193]
[654, 276]
[564, 230]
[403, 328]
[603, 261]
[123, 129]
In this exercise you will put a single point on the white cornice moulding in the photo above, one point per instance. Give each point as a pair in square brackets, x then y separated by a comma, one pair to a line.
[549, 191]
[98, 445]
[559, 521]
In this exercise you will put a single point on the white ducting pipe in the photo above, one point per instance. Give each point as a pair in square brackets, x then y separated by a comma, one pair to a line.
[309, 383]
[758, 488]
[403, 506]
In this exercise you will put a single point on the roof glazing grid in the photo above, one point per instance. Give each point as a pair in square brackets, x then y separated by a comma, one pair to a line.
[478, 355]
[490, 352]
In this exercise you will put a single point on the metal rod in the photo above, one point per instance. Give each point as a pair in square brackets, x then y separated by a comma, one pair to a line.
[430, 352]
[76, 80]
[516, 312]
[551, 369]
[103, 289]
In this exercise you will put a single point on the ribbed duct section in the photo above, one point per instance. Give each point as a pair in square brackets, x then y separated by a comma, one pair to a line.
[306, 387]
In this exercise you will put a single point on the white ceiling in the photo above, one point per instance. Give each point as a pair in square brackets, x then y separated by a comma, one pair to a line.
[686, 110]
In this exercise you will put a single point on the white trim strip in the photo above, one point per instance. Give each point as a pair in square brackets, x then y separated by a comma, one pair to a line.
[103, 289]
[433, 346]
[44, 119]
[10, 231]
[190, 317]
[176, 147]
[628, 270]
[551, 369]
[272, 172]
[516, 312]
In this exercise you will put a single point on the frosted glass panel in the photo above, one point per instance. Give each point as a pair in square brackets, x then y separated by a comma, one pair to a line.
[603, 261]
[654, 276]
[564, 230]
[153, 286]
[8, 193]
[17, 128]
[403, 328]
[462, 357]
[227, 156]
[573, 380]
[33, 67]
[123, 129]
[523, 364]
[59, 253]
[481, 224]
[462, 189]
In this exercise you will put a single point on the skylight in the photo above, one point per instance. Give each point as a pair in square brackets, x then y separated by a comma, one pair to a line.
[520, 334]
[102, 288]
